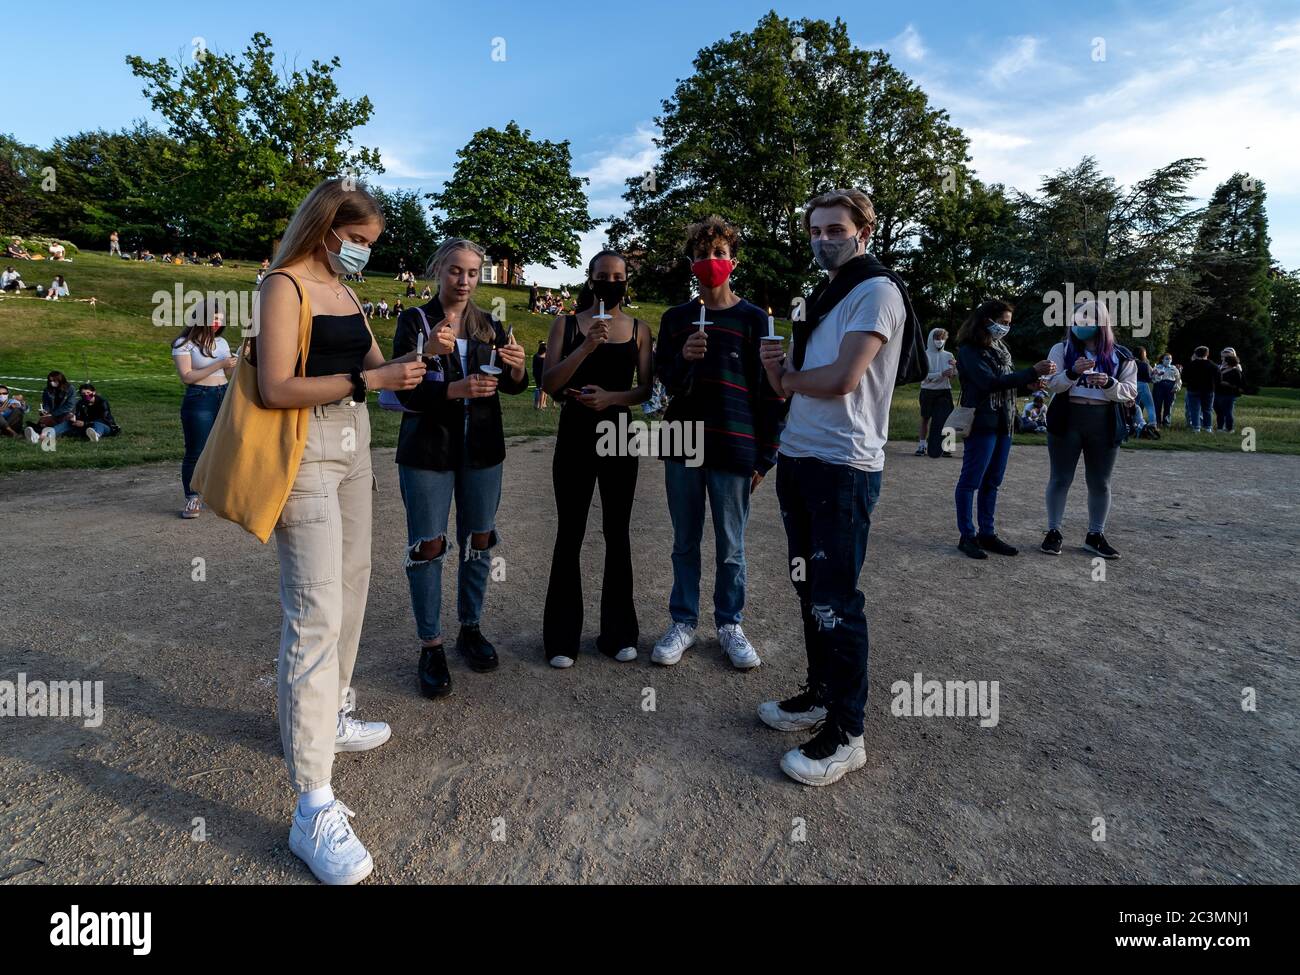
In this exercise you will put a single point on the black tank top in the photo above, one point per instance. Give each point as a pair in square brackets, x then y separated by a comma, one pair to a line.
[339, 344]
[611, 367]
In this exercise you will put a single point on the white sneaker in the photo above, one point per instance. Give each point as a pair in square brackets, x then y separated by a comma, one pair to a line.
[327, 844]
[920, 448]
[673, 643]
[740, 650]
[92, 435]
[827, 758]
[351, 735]
[797, 713]
[626, 654]
[561, 663]
[32, 435]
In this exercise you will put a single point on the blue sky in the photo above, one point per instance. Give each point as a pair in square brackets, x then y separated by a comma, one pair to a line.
[1209, 79]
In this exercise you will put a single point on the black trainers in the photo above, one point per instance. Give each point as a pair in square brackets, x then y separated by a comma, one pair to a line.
[479, 654]
[971, 547]
[1097, 544]
[435, 681]
[1051, 543]
[991, 543]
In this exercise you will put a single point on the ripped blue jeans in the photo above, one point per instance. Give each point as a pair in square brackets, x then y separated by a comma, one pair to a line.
[428, 496]
[827, 509]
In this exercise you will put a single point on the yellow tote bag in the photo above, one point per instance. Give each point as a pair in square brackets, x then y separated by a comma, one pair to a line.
[251, 457]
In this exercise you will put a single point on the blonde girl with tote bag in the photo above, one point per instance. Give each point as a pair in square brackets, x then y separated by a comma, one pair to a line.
[322, 533]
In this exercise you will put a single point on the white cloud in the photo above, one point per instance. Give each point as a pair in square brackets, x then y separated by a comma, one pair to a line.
[631, 155]
[909, 44]
[1022, 56]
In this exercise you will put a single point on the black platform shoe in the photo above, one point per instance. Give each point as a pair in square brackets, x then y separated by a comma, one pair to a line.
[479, 654]
[435, 681]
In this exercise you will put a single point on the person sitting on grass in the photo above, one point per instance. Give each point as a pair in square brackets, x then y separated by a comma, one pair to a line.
[1034, 417]
[57, 251]
[58, 289]
[16, 249]
[11, 280]
[58, 403]
[92, 418]
[12, 411]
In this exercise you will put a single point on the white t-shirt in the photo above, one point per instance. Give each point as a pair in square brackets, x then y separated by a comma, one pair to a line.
[220, 350]
[851, 429]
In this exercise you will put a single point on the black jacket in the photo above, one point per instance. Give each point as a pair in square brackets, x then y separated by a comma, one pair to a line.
[434, 436]
[99, 410]
[1230, 381]
[981, 375]
[1200, 376]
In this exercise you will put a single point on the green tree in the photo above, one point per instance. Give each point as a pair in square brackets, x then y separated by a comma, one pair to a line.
[1230, 272]
[106, 181]
[516, 196]
[20, 179]
[966, 254]
[251, 139]
[1084, 229]
[768, 119]
[1284, 313]
[407, 235]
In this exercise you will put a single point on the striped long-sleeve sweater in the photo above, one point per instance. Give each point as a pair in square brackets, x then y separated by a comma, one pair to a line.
[727, 390]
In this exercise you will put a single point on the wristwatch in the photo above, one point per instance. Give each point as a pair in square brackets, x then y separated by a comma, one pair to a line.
[358, 385]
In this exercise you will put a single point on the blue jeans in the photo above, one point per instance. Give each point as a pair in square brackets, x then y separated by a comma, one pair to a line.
[1223, 409]
[1198, 407]
[1146, 404]
[826, 509]
[198, 412]
[983, 462]
[729, 504]
[427, 496]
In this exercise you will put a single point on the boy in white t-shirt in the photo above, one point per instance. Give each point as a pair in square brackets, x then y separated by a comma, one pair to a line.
[840, 385]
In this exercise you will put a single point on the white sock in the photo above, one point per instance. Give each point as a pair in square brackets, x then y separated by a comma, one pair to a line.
[312, 802]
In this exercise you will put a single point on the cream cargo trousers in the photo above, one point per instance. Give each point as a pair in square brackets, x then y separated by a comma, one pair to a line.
[323, 537]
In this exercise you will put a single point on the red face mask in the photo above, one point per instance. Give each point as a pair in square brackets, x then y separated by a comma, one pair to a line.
[712, 271]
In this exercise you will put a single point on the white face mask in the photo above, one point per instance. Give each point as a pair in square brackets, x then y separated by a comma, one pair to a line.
[938, 343]
[4, 398]
[350, 259]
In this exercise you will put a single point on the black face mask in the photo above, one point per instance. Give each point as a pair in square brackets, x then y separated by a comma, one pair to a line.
[610, 292]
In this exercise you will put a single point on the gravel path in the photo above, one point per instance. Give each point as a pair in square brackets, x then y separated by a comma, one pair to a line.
[1119, 699]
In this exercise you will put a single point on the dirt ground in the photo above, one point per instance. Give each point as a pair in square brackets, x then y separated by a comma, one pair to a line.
[1119, 699]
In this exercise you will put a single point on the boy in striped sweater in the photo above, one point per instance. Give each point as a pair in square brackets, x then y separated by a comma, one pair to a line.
[715, 379]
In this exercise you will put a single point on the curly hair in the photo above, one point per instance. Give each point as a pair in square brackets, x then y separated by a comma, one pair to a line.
[706, 231]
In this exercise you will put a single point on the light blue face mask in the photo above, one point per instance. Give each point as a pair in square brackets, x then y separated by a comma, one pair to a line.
[351, 257]
[1083, 332]
[998, 329]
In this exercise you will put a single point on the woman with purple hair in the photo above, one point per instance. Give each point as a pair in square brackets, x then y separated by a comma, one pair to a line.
[1094, 377]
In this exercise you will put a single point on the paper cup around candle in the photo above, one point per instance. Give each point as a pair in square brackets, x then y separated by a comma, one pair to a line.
[490, 370]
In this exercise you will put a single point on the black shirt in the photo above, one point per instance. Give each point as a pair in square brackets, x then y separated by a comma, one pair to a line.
[339, 344]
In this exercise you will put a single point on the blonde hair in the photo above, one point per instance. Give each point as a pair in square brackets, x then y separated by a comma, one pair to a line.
[333, 203]
[478, 323]
[857, 202]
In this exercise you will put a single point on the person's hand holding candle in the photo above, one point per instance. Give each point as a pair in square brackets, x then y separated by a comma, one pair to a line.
[512, 355]
[696, 345]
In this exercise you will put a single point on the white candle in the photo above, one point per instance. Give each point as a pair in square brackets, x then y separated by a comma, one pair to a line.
[771, 326]
[602, 307]
[492, 358]
[419, 345]
[702, 321]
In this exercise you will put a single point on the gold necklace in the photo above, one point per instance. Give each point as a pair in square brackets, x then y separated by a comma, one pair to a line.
[337, 294]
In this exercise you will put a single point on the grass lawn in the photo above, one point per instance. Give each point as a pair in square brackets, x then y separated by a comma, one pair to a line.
[116, 344]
